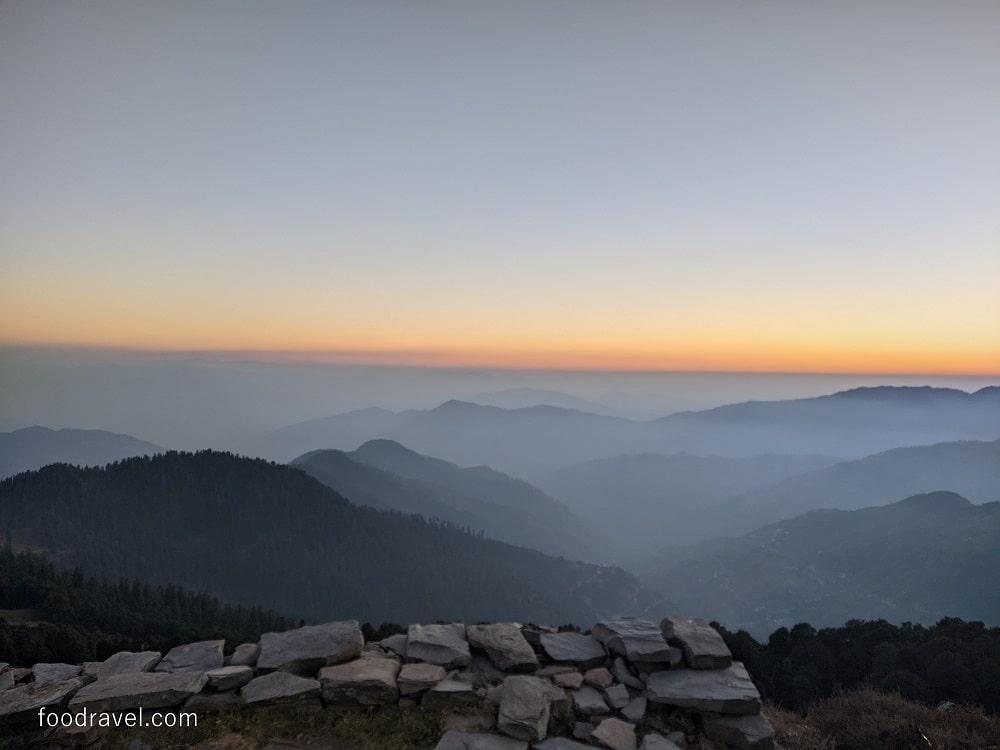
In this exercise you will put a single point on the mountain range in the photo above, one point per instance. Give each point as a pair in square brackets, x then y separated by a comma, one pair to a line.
[919, 559]
[34, 447]
[535, 441]
[386, 474]
[250, 531]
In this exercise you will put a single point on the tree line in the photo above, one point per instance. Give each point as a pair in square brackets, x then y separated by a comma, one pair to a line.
[64, 616]
[953, 660]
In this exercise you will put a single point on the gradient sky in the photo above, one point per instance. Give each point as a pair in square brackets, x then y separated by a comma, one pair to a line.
[674, 185]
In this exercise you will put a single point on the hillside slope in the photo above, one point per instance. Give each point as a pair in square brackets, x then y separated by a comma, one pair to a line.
[920, 559]
[254, 532]
[385, 474]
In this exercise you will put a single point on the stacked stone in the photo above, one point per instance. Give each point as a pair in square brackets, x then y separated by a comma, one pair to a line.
[628, 684]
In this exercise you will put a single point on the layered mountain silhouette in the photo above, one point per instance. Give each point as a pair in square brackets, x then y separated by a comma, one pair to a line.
[918, 559]
[535, 441]
[34, 447]
[386, 474]
[971, 468]
[250, 531]
[653, 500]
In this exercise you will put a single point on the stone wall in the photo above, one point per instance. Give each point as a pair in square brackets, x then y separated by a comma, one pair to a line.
[627, 684]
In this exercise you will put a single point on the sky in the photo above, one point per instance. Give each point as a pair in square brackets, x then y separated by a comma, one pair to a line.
[745, 186]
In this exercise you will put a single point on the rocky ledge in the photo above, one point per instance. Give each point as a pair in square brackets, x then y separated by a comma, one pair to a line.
[627, 684]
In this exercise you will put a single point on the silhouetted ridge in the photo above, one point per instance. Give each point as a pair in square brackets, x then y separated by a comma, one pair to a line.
[941, 501]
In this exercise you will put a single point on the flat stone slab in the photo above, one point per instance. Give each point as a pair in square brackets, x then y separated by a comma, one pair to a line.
[244, 655]
[418, 677]
[617, 696]
[200, 656]
[571, 680]
[524, 707]
[455, 740]
[590, 702]
[305, 650]
[279, 687]
[370, 681]
[615, 734]
[54, 672]
[574, 648]
[395, 643]
[740, 732]
[229, 678]
[635, 709]
[505, 645]
[132, 690]
[635, 639]
[702, 645]
[444, 645]
[128, 661]
[721, 691]
[598, 677]
[21, 703]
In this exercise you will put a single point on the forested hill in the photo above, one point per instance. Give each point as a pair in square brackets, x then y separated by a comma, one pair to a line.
[50, 615]
[385, 474]
[251, 531]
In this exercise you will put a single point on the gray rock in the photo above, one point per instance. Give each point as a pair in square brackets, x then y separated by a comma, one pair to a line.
[305, 650]
[617, 696]
[722, 691]
[209, 703]
[482, 719]
[740, 732]
[395, 643]
[598, 677]
[193, 657]
[6, 678]
[562, 743]
[571, 680]
[370, 681]
[582, 730]
[702, 645]
[635, 639]
[560, 705]
[245, 655]
[615, 734]
[132, 690]
[128, 661]
[657, 742]
[444, 645]
[45, 673]
[506, 646]
[635, 710]
[456, 740]
[624, 675]
[481, 672]
[416, 678]
[449, 694]
[229, 678]
[589, 702]
[91, 668]
[22, 702]
[574, 648]
[279, 687]
[524, 708]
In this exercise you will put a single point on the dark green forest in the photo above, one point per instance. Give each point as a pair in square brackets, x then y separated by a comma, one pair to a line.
[254, 532]
[74, 618]
[953, 660]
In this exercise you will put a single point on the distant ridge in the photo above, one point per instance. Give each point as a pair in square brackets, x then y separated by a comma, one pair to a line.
[919, 559]
[531, 442]
[33, 447]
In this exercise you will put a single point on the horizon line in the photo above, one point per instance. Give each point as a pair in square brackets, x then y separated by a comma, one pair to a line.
[419, 359]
